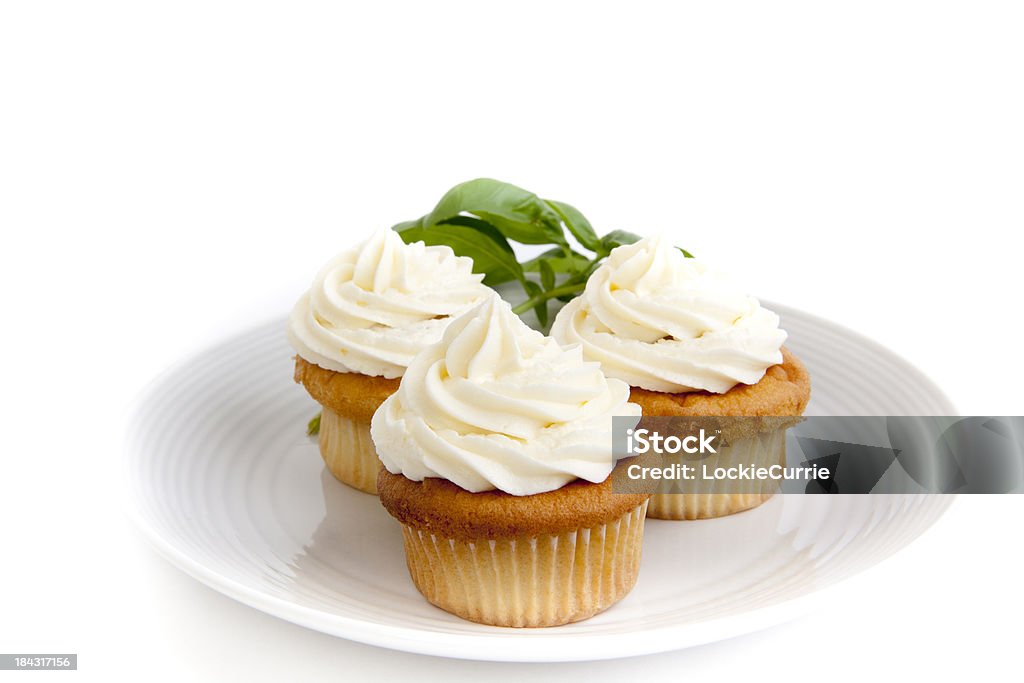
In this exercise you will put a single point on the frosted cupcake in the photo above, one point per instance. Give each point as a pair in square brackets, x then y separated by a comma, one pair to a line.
[497, 450]
[369, 311]
[690, 343]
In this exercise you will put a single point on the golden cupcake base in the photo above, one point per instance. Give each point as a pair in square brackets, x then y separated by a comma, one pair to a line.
[524, 561]
[348, 401]
[784, 390]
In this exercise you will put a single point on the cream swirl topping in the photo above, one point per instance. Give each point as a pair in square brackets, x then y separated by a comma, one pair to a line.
[664, 322]
[497, 405]
[372, 308]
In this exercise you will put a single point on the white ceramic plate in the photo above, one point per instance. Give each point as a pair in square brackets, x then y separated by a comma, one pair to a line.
[226, 484]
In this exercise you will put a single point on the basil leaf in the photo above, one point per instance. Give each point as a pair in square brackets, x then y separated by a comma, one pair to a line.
[480, 217]
[313, 427]
[489, 257]
[492, 279]
[518, 214]
[405, 225]
[618, 238]
[578, 225]
[580, 278]
[480, 226]
[541, 309]
[558, 261]
[547, 275]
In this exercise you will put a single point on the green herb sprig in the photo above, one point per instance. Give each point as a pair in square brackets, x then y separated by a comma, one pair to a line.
[480, 217]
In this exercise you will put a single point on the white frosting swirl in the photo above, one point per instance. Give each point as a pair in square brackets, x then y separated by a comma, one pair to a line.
[372, 308]
[497, 405]
[664, 322]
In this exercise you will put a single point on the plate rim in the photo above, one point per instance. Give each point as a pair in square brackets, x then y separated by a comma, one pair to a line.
[940, 395]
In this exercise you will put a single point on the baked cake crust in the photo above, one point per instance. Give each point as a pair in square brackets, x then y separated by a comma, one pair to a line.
[443, 508]
[785, 389]
[349, 394]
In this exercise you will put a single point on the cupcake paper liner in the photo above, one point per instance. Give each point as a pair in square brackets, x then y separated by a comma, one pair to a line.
[348, 451]
[543, 580]
[763, 450]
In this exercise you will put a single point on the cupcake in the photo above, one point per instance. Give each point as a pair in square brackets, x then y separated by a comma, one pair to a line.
[369, 311]
[497, 451]
[689, 342]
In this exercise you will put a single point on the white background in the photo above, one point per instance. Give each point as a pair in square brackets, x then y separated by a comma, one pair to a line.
[171, 173]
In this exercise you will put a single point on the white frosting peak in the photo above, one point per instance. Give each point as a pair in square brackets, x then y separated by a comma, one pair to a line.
[372, 308]
[664, 322]
[497, 405]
